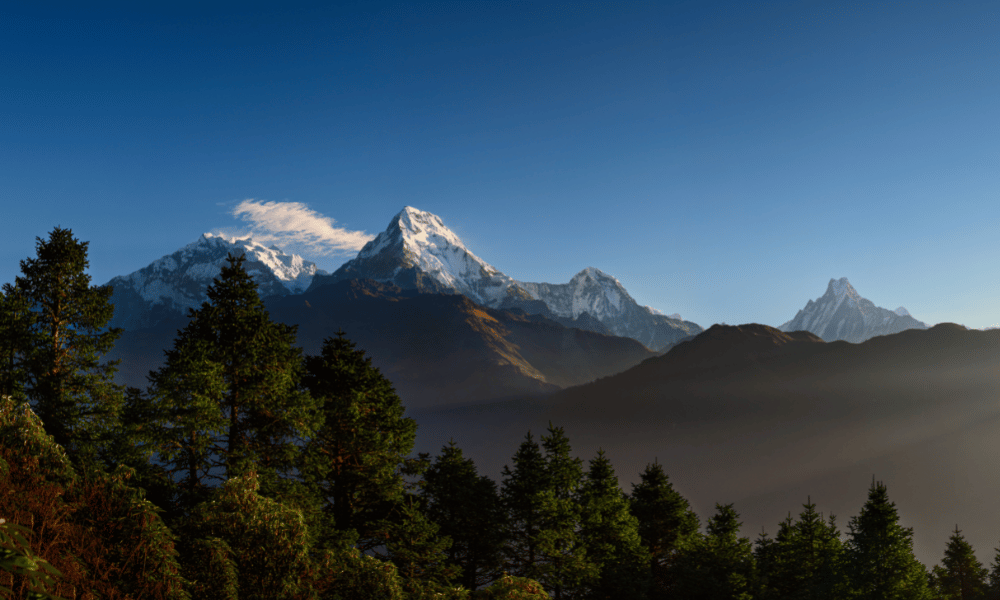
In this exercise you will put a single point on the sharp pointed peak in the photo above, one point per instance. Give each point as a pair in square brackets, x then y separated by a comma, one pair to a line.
[841, 287]
[593, 273]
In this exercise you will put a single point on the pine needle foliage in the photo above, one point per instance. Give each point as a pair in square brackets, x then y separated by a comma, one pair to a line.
[355, 461]
[879, 553]
[960, 576]
[227, 399]
[57, 323]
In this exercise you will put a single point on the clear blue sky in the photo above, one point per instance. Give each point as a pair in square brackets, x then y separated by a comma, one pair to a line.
[724, 160]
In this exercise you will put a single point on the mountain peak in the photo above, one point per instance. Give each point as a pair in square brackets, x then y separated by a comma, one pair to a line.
[841, 287]
[842, 314]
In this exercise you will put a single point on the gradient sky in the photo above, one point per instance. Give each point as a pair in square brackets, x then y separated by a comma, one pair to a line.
[723, 160]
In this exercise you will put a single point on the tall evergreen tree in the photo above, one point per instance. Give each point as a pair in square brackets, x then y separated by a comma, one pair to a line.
[58, 345]
[610, 535]
[879, 553]
[356, 460]
[665, 522]
[804, 560]
[419, 552]
[15, 315]
[227, 401]
[960, 576]
[521, 491]
[718, 565]
[564, 567]
[993, 577]
[467, 508]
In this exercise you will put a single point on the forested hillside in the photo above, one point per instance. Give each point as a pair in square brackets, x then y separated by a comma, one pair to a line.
[247, 469]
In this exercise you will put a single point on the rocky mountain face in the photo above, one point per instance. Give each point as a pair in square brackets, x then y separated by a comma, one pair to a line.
[594, 293]
[417, 251]
[170, 286]
[842, 314]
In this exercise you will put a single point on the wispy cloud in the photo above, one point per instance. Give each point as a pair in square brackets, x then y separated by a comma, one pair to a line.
[295, 227]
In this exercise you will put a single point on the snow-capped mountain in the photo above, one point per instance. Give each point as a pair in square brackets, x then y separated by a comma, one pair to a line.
[594, 292]
[842, 314]
[418, 251]
[176, 282]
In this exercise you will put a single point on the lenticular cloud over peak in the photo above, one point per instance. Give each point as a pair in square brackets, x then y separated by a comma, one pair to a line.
[296, 226]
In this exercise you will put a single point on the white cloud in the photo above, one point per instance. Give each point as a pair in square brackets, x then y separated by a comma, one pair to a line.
[294, 227]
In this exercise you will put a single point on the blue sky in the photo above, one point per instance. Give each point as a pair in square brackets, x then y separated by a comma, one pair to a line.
[724, 160]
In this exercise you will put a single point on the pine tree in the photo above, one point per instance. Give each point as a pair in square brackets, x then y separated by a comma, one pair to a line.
[718, 565]
[879, 553]
[993, 578]
[419, 552]
[227, 401]
[58, 345]
[15, 315]
[665, 522]
[356, 459]
[610, 536]
[467, 508]
[804, 560]
[564, 566]
[960, 576]
[520, 493]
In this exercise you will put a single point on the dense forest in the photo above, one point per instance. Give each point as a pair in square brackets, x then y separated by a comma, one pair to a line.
[248, 470]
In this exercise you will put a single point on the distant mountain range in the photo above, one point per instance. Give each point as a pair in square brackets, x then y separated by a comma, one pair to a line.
[400, 298]
[417, 251]
[842, 314]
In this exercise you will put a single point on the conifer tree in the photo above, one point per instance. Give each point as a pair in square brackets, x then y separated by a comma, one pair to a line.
[665, 521]
[15, 314]
[564, 567]
[804, 560]
[419, 552]
[58, 345]
[718, 565]
[356, 460]
[227, 401]
[960, 576]
[993, 577]
[879, 553]
[467, 508]
[610, 535]
[520, 493]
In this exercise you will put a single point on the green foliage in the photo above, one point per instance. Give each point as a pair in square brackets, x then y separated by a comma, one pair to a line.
[993, 577]
[18, 561]
[15, 331]
[265, 540]
[227, 399]
[55, 348]
[512, 588]
[93, 527]
[521, 496]
[803, 561]
[350, 575]
[665, 522]
[419, 552]
[879, 553]
[718, 565]
[610, 535]
[960, 576]
[467, 508]
[564, 566]
[355, 461]
[211, 570]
